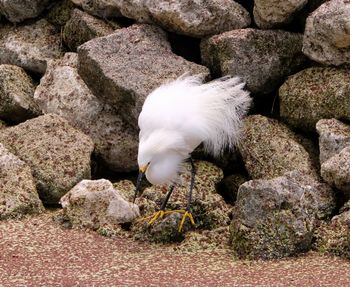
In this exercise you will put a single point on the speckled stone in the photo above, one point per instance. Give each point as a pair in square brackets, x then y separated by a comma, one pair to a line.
[58, 154]
[107, 65]
[314, 94]
[16, 95]
[60, 12]
[261, 58]
[334, 136]
[270, 149]
[18, 194]
[276, 218]
[63, 92]
[30, 46]
[101, 8]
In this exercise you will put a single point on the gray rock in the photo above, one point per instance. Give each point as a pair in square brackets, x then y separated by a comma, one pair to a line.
[60, 12]
[272, 13]
[100, 8]
[123, 82]
[334, 136]
[16, 95]
[336, 171]
[63, 92]
[314, 94]
[19, 10]
[58, 154]
[83, 27]
[269, 149]
[276, 218]
[261, 58]
[96, 204]
[18, 194]
[30, 46]
[327, 33]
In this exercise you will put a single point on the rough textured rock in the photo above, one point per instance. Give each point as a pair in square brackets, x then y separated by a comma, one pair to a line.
[276, 218]
[19, 10]
[29, 46]
[269, 149]
[83, 27]
[336, 171]
[63, 92]
[261, 58]
[101, 8]
[314, 94]
[60, 12]
[271, 13]
[58, 154]
[334, 136]
[123, 82]
[18, 195]
[327, 33]
[96, 204]
[16, 95]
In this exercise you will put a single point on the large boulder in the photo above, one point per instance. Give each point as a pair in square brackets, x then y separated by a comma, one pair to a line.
[276, 218]
[124, 82]
[333, 137]
[16, 95]
[63, 92]
[270, 149]
[18, 194]
[272, 13]
[19, 10]
[314, 94]
[58, 154]
[261, 58]
[30, 46]
[327, 34]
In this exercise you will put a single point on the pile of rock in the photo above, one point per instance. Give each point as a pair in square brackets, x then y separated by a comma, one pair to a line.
[98, 60]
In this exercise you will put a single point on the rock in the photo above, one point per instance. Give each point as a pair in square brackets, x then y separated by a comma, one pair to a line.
[63, 92]
[18, 194]
[261, 58]
[96, 204]
[100, 8]
[60, 12]
[30, 46]
[327, 33]
[83, 27]
[2, 125]
[123, 82]
[19, 10]
[16, 95]
[276, 218]
[208, 208]
[58, 154]
[272, 13]
[336, 171]
[269, 149]
[334, 136]
[228, 187]
[314, 94]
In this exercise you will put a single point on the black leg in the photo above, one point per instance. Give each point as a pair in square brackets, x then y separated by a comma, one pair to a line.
[166, 198]
[193, 175]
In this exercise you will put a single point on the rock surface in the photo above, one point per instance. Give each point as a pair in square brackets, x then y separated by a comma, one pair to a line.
[60, 12]
[16, 95]
[96, 204]
[272, 13]
[58, 154]
[261, 58]
[333, 137]
[277, 217]
[63, 92]
[314, 94]
[123, 82]
[30, 46]
[327, 33]
[269, 149]
[101, 8]
[19, 10]
[18, 194]
[83, 27]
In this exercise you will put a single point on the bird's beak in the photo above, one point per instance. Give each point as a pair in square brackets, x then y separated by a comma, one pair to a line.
[142, 171]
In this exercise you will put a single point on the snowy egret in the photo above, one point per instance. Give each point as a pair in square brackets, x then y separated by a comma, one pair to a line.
[179, 116]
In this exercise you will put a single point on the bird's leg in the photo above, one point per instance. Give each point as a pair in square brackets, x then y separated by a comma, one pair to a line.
[187, 212]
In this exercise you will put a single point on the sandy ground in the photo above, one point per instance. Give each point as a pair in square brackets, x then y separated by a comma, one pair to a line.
[36, 251]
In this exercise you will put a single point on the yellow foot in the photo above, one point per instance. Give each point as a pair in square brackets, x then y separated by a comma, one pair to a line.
[185, 215]
[159, 215]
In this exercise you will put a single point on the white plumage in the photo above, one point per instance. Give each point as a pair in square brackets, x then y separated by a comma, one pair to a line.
[180, 115]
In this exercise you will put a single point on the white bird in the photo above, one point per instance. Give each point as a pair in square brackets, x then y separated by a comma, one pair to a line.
[179, 116]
